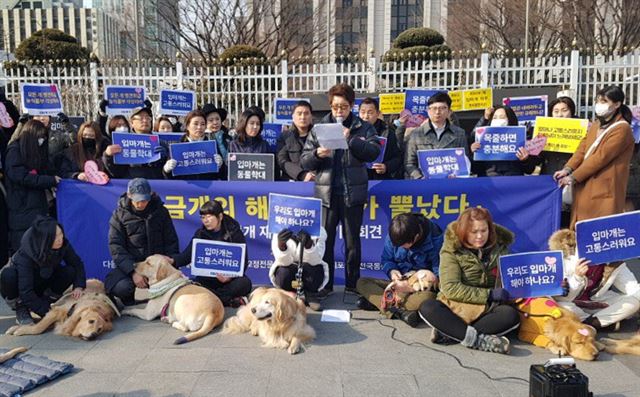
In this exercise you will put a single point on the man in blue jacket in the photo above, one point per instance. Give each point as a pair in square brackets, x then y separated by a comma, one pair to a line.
[412, 246]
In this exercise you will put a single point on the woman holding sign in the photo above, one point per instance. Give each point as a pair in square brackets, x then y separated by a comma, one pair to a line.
[196, 123]
[218, 226]
[599, 170]
[89, 147]
[471, 309]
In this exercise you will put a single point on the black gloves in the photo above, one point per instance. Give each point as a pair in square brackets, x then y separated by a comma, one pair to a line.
[283, 236]
[103, 105]
[63, 118]
[24, 118]
[305, 239]
[162, 150]
[498, 295]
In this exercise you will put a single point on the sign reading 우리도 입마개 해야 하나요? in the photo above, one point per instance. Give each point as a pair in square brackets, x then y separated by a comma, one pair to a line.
[532, 274]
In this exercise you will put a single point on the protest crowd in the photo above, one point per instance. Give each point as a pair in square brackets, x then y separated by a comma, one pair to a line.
[447, 276]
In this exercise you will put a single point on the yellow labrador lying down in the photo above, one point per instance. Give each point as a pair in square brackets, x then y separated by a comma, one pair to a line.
[277, 318]
[187, 307]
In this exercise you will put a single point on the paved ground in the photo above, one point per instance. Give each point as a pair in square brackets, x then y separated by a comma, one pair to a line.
[356, 359]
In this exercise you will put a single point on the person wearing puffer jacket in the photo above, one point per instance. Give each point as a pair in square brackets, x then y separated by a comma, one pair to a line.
[591, 296]
[315, 271]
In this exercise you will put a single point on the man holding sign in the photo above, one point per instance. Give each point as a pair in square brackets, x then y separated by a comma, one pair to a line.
[217, 226]
[388, 165]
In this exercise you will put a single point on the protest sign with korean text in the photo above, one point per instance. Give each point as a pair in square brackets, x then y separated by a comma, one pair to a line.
[41, 99]
[416, 100]
[270, 133]
[383, 146]
[283, 108]
[250, 167]
[176, 103]
[477, 99]
[527, 108]
[532, 274]
[610, 238]
[442, 163]
[499, 143]
[75, 121]
[456, 100]
[136, 148]
[123, 99]
[169, 137]
[194, 157]
[536, 145]
[392, 103]
[294, 213]
[563, 134]
[210, 258]
[635, 123]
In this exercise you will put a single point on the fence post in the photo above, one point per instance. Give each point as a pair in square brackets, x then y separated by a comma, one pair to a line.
[373, 73]
[484, 70]
[93, 76]
[284, 80]
[179, 76]
[574, 77]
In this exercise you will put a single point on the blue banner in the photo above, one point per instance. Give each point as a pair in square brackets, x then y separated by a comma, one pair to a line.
[532, 274]
[136, 148]
[415, 101]
[283, 108]
[499, 143]
[294, 213]
[609, 239]
[442, 163]
[169, 137]
[84, 211]
[176, 103]
[123, 99]
[527, 108]
[383, 147]
[270, 133]
[210, 258]
[194, 157]
[40, 99]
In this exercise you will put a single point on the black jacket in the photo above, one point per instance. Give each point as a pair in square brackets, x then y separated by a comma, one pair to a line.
[134, 236]
[68, 167]
[26, 189]
[36, 258]
[210, 176]
[230, 232]
[392, 155]
[250, 145]
[363, 148]
[289, 151]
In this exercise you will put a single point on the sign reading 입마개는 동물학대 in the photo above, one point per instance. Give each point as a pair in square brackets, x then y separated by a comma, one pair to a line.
[251, 167]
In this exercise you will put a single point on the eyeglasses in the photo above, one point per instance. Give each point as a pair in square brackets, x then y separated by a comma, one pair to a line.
[438, 108]
[141, 118]
[340, 107]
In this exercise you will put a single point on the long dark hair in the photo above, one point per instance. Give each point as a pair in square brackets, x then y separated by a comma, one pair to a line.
[80, 155]
[242, 124]
[567, 101]
[511, 115]
[615, 94]
[33, 155]
[113, 123]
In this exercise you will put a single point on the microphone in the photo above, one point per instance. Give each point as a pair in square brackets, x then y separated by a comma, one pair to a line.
[339, 120]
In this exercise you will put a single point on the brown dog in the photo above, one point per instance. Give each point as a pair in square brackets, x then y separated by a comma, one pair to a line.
[622, 346]
[187, 307]
[85, 318]
[570, 337]
[277, 318]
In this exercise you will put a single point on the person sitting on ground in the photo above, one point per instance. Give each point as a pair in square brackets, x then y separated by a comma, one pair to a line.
[391, 165]
[591, 288]
[89, 147]
[412, 246]
[291, 143]
[283, 273]
[471, 307]
[218, 226]
[139, 227]
[35, 276]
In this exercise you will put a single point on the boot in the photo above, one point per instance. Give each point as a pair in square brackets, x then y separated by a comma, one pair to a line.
[487, 343]
[410, 317]
[313, 301]
[364, 304]
[23, 315]
[439, 338]
[11, 303]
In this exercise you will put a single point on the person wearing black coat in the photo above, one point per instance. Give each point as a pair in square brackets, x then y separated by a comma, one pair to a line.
[28, 179]
[291, 143]
[219, 227]
[391, 166]
[342, 182]
[89, 146]
[249, 133]
[35, 277]
[139, 227]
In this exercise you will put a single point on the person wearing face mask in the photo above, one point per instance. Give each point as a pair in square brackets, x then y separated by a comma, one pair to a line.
[196, 131]
[117, 124]
[599, 169]
[502, 116]
[218, 226]
[291, 143]
[58, 139]
[90, 146]
[29, 179]
[249, 133]
[437, 132]
[141, 123]
[550, 162]
[35, 277]
[103, 118]
[139, 227]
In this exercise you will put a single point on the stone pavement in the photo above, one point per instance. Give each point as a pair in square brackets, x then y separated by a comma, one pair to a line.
[356, 359]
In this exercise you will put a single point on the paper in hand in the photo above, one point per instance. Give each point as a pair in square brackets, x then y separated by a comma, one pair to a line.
[330, 136]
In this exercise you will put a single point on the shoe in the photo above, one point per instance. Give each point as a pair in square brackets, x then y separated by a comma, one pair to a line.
[11, 303]
[439, 338]
[409, 317]
[364, 304]
[313, 302]
[238, 301]
[23, 316]
[324, 293]
[350, 290]
[492, 343]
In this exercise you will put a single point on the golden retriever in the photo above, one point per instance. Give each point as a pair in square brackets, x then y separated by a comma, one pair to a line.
[621, 346]
[277, 318]
[187, 307]
[570, 337]
[86, 318]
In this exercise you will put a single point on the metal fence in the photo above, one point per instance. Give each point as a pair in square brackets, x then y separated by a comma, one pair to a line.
[237, 87]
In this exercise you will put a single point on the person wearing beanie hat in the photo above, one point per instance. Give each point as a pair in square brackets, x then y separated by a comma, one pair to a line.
[34, 277]
[249, 133]
[139, 227]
